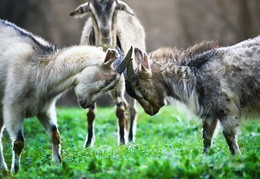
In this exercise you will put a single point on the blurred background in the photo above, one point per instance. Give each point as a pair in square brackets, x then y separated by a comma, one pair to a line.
[178, 23]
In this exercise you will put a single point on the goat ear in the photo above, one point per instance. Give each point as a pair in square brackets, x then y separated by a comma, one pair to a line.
[143, 64]
[124, 7]
[81, 10]
[139, 56]
[144, 69]
[146, 61]
[111, 56]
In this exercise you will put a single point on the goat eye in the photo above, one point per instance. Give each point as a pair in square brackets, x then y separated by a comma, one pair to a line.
[107, 82]
[141, 89]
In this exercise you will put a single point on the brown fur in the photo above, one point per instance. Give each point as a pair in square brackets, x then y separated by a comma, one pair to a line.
[18, 146]
[217, 84]
[180, 57]
[56, 137]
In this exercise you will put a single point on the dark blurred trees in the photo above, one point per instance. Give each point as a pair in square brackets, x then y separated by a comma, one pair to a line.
[47, 18]
[184, 22]
[177, 23]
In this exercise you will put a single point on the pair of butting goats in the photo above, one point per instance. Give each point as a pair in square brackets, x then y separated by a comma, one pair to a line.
[217, 84]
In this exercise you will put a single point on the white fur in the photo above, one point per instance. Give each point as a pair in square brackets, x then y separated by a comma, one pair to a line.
[33, 75]
[121, 24]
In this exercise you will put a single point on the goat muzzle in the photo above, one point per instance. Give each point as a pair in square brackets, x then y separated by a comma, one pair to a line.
[84, 104]
[105, 40]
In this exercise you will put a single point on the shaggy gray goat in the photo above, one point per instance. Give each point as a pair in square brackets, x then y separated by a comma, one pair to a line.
[217, 84]
[111, 23]
[34, 73]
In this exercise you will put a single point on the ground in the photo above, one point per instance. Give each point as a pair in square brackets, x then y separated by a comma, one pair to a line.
[168, 145]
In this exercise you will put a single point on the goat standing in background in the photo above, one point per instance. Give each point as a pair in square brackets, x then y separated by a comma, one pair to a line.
[112, 23]
[34, 73]
[220, 84]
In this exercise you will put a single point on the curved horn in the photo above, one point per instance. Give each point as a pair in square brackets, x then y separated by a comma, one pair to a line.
[83, 8]
[125, 62]
[130, 73]
[120, 5]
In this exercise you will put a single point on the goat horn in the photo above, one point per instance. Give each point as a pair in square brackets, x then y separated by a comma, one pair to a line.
[125, 62]
[129, 72]
[83, 8]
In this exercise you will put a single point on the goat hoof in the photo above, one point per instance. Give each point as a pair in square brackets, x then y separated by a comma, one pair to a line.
[206, 151]
[4, 169]
[15, 169]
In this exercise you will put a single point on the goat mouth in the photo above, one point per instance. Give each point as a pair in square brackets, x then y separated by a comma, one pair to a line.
[105, 40]
[84, 104]
[152, 110]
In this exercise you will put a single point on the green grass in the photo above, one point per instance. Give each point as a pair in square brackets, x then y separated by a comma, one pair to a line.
[167, 145]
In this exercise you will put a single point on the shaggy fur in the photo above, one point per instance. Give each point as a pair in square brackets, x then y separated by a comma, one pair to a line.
[34, 73]
[215, 83]
[112, 23]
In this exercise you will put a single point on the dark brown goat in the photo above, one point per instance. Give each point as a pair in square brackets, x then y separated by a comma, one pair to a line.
[215, 83]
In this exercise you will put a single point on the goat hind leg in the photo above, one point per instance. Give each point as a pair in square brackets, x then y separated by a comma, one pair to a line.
[13, 122]
[3, 166]
[49, 122]
[117, 95]
[18, 145]
[209, 126]
[230, 126]
[132, 120]
[14, 125]
[120, 113]
[91, 115]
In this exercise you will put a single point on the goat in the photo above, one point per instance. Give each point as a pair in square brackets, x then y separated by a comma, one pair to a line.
[112, 23]
[217, 84]
[35, 73]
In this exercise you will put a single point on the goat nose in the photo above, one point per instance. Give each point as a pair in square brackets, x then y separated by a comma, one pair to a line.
[83, 103]
[105, 32]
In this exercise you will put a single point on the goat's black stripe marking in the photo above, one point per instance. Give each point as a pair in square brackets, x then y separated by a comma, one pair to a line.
[201, 59]
[20, 136]
[92, 39]
[119, 104]
[129, 90]
[118, 43]
[42, 47]
[54, 128]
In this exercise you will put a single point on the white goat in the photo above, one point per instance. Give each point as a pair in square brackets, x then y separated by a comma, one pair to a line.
[34, 73]
[112, 23]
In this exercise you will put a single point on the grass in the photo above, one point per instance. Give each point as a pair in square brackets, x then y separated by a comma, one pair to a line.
[167, 145]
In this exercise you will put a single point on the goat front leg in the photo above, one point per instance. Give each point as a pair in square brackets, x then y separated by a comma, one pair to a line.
[91, 115]
[117, 95]
[230, 126]
[209, 126]
[14, 124]
[122, 119]
[132, 120]
[49, 121]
